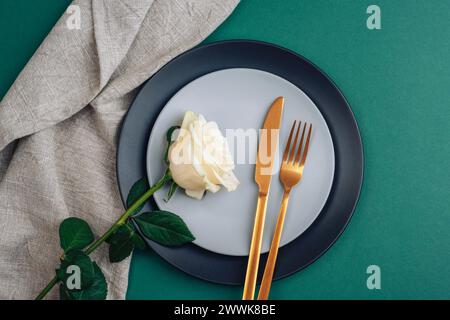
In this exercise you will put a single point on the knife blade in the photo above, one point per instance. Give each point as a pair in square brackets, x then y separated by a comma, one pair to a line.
[267, 151]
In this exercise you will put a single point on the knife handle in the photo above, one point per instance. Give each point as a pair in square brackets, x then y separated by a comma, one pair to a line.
[255, 248]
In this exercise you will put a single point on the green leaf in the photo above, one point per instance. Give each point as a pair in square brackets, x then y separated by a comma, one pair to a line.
[169, 142]
[75, 233]
[137, 190]
[138, 241]
[82, 260]
[120, 250]
[120, 244]
[96, 291]
[173, 187]
[135, 236]
[165, 228]
[63, 292]
[170, 133]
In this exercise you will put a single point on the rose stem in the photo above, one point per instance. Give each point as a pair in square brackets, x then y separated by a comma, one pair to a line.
[122, 220]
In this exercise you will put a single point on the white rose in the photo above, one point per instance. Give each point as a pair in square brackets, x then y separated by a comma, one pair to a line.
[200, 158]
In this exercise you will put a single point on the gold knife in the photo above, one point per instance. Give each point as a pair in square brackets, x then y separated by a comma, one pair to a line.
[263, 174]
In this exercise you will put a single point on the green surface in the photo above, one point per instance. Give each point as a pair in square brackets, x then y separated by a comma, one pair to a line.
[397, 81]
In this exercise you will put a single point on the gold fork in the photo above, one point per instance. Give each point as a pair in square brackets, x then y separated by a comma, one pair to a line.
[290, 174]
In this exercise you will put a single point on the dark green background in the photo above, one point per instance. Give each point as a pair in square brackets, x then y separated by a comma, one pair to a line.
[397, 81]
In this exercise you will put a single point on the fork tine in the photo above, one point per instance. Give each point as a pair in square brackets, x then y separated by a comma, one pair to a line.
[288, 144]
[305, 152]
[291, 156]
[299, 150]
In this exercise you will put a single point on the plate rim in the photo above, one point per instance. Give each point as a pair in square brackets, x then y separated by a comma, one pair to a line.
[360, 181]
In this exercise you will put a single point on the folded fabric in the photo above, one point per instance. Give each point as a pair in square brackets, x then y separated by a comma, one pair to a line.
[59, 121]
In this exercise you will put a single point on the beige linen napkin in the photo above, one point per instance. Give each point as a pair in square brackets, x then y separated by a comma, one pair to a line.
[60, 121]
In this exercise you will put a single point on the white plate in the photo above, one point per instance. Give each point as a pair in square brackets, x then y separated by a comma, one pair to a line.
[239, 98]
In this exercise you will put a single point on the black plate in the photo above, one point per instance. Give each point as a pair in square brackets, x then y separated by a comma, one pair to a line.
[348, 175]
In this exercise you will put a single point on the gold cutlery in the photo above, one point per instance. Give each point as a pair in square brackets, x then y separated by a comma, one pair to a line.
[263, 174]
[290, 174]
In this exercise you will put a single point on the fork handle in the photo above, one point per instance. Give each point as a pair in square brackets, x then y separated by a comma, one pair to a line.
[272, 258]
